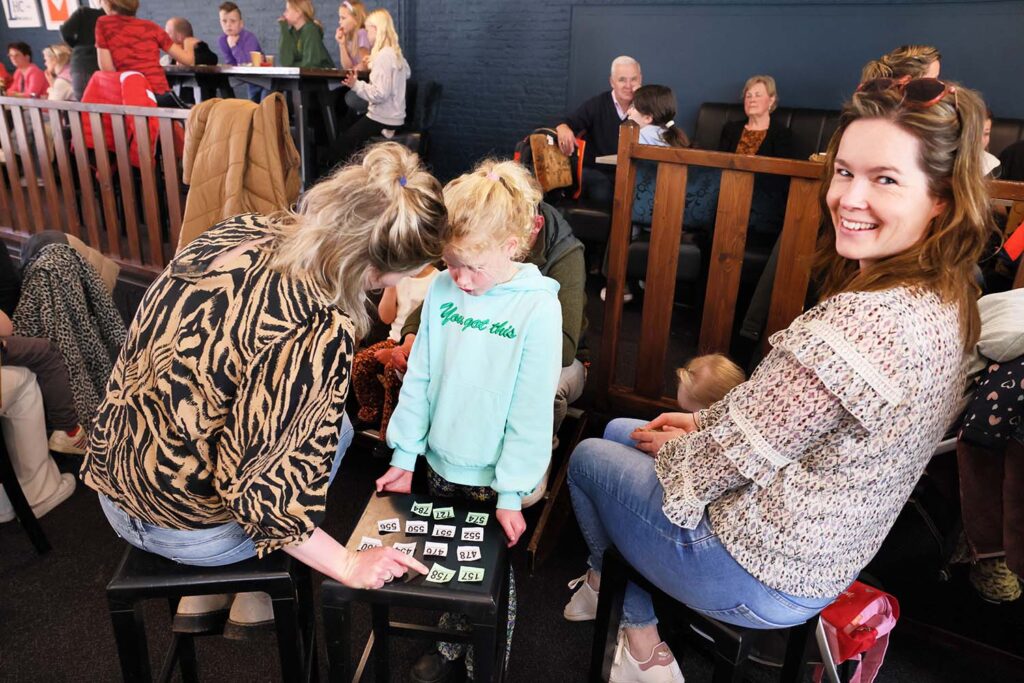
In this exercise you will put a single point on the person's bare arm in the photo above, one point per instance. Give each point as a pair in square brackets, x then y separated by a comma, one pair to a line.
[104, 59]
[6, 326]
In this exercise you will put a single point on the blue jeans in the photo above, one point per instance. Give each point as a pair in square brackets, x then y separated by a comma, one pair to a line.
[618, 499]
[213, 547]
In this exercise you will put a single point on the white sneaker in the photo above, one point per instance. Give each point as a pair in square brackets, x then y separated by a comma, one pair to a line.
[62, 442]
[583, 603]
[627, 295]
[662, 666]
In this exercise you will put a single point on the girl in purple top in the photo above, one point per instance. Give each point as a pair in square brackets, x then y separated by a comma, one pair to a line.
[236, 43]
[353, 42]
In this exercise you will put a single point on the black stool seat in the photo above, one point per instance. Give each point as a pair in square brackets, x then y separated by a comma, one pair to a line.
[142, 576]
[732, 645]
[485, 603]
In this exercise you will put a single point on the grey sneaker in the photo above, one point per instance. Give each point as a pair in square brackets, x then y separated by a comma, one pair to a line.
[583, 603]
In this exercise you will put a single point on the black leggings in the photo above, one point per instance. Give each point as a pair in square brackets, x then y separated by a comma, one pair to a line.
[354, 137]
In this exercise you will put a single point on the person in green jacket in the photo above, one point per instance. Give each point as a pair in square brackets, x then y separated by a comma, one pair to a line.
[302, 38]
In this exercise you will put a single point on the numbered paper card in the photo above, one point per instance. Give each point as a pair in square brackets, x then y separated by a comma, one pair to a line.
[477, 518]
[387, 526]
[439, 574]
[468, 553]
[470, 574]
[435, 549]
[444, 513]
[444, 531]
[473, 533]
[415, 526]
[406, 548]
[367, 542]
[422, 509]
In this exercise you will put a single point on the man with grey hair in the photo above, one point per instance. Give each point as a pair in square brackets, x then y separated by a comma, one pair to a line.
[597, 121]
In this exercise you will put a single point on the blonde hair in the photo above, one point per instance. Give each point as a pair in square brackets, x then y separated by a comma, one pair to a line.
[358, 10]
[948, 134]
[386, 36]
[307, 9]
[906, 60]
[495, 201]
[382, 210]
[59, 53]
[709, 378]
[769, 86]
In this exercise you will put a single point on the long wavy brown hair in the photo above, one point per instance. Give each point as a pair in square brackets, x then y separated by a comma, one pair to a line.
[949, 143]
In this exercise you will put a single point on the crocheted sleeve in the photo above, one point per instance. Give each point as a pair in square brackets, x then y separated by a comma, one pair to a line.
[839, 366]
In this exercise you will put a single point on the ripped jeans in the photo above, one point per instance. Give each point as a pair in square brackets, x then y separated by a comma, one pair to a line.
[618, 499]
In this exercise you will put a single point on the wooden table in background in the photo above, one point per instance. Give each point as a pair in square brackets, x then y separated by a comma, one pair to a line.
[305, 87]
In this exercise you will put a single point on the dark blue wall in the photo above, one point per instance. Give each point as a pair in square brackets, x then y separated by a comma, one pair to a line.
[508, 67]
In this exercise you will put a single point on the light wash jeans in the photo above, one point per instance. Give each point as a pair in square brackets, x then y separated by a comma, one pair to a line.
[618, 500]
[213, 547]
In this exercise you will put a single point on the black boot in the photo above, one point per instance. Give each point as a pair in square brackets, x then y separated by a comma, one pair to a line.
[432, 668]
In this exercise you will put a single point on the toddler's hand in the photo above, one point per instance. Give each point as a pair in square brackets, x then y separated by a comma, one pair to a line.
[395, 480]
[399, 359]
[650, 442]
[513, 523]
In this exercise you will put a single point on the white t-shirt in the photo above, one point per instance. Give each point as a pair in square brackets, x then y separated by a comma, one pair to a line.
[410, 293]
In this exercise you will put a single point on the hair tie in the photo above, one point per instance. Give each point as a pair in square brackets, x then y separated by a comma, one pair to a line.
[493, 176]
[670, 124]
[402, 181]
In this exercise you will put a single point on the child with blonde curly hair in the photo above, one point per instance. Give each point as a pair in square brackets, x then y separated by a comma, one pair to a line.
[477, 395]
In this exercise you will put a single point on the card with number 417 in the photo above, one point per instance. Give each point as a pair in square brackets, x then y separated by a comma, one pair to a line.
[422, 509]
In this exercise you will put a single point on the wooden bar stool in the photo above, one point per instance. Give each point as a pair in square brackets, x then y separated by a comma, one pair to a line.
[731, 645]
[143, 576]
[485, 603]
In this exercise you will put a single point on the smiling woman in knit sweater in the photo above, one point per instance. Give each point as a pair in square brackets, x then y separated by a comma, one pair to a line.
[761, 509]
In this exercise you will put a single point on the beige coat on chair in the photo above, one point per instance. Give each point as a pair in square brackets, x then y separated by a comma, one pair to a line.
[239, 158]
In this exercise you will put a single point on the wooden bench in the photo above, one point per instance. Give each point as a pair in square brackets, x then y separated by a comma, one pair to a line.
[51, 180]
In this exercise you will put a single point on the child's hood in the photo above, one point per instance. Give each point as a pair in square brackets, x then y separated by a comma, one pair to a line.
[527, 279]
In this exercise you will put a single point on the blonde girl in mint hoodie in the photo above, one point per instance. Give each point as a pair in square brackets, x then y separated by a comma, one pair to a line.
[477, 395]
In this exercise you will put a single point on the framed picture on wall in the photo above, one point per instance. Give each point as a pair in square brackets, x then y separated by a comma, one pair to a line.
[22, 13]
[56, 12]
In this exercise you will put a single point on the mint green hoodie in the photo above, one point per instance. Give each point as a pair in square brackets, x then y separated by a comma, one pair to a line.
[478, 393]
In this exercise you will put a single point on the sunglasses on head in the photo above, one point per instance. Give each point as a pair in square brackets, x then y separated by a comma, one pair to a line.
[917, 92]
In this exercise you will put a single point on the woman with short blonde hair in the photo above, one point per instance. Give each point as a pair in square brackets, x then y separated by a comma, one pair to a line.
[57, 60]
[759, 134]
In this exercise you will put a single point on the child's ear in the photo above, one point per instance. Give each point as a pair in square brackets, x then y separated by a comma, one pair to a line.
[511, 246]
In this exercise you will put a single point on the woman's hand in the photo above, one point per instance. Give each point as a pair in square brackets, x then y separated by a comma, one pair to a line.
[651, 442]
[382, 356]
[513, 523]
[377, 566]
[684, 421]
[395, 480]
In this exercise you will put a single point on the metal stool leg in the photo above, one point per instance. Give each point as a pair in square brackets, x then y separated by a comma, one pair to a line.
[826, 652]
[609, 614]
[381, 643]
[338, 633]
[130, 635]
[289, 642]
[21, 507]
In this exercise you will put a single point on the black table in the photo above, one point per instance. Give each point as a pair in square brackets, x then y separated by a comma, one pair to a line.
[485, 603]
[306, 88]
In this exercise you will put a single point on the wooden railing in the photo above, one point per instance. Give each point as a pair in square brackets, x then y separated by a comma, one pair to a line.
[51, 179]
[797, 240]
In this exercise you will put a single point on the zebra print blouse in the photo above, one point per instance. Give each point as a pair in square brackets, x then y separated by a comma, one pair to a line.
[226, 400]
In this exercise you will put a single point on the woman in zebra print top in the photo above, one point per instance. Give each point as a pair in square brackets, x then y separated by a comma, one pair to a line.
[216, 439]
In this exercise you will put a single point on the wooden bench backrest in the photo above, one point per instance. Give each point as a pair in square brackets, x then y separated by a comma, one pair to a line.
[51, 180]
[792, 278]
